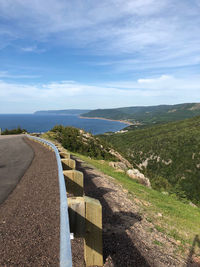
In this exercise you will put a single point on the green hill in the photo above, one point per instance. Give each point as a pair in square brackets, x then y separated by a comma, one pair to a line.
[168, 154]
[148, 114]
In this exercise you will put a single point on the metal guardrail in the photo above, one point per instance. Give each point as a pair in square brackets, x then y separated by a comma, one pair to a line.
[65, 244]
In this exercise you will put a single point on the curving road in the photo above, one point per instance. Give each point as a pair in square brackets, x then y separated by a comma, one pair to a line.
[30, 215]
[15, 158]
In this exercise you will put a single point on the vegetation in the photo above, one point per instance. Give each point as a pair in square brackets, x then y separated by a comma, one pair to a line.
[179, 220]
[14, 131]
[169, 155]
[148, 115]
[77, 140]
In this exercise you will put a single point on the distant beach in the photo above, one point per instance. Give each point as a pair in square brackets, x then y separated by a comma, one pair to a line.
[101, 118]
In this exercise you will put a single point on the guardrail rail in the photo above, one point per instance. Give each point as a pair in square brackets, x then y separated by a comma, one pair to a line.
[65, 244]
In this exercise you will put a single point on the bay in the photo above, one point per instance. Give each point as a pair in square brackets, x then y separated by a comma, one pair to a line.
[43, 123]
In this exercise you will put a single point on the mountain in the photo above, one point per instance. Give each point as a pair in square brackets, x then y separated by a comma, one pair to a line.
[168, 154]
[61, 112]
[148, 114]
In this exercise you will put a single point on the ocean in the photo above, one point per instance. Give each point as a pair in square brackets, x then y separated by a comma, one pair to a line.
[43, 123]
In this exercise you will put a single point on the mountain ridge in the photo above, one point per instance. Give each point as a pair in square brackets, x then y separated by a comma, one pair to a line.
[144, 115]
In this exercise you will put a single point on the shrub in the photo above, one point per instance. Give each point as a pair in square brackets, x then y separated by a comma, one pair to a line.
[77, 140]
[160, 183]
[14, 131]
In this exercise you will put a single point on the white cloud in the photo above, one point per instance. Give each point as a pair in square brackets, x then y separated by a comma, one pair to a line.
[71, 94]
[140, 36]
[159, 80]
[63, 15]
[29, 49]
[124, 26]
[6, 74]
[165, 85]
[32, 49]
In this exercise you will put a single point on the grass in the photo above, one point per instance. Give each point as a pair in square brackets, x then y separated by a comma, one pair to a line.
[159, 229]
[178, 220]
[158, 243]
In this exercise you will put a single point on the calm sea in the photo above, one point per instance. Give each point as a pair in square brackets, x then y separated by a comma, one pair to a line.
[43, 123]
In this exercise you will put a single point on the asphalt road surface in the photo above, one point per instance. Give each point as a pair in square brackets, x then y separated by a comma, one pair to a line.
[30, 216]
[15, 158]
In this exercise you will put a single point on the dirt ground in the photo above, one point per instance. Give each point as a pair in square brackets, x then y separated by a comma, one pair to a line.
[127, 239]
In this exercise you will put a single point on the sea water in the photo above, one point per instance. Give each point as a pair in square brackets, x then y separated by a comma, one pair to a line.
[43, 123]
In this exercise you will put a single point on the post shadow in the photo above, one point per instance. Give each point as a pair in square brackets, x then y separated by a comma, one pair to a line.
[116, 242]
[190, 262]
[2, 166]
[73, 188]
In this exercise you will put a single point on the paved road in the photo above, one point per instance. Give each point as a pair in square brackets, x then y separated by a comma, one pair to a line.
[30, 216]
[15, 158]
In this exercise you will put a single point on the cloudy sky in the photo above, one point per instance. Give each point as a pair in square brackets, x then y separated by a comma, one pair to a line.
[61, 54]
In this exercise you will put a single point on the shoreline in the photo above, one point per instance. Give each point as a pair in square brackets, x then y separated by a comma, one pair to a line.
[101, 118]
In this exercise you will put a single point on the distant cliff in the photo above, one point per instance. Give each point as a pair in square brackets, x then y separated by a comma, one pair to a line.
[62, 112]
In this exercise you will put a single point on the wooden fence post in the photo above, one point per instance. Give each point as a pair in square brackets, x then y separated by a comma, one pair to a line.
[68, 164]
[85, 215]
[76, 207]
[93, 232]
[64, 155]
[74, 182]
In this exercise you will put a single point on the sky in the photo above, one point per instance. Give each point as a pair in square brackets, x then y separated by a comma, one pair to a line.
[88, 54]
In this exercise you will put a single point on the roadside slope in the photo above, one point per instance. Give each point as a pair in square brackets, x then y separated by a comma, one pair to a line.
[129, 237]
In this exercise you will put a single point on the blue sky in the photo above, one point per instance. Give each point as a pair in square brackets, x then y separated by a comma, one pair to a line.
[61, 54]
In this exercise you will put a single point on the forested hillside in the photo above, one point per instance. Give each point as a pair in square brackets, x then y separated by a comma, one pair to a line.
[168, 154]
[148, 114]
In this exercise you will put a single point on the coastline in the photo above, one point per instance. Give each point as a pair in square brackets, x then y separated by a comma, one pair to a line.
[36, 123]
[101, 118]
